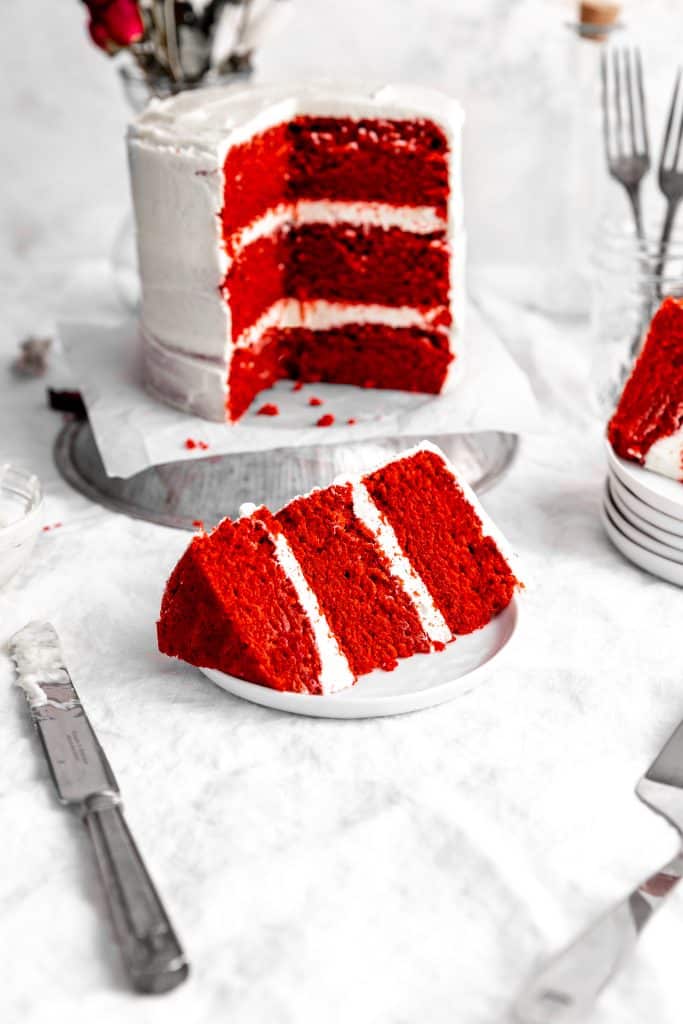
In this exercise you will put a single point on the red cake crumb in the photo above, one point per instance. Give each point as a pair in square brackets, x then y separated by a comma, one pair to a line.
[191, 443]
[651, 405]
[198, 523]
[351, 421]
[52, 526]
[297, 386]
[325, 421]
[269, 409]
[315, 401]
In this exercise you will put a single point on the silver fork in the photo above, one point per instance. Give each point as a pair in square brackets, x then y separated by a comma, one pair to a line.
[624, 122]
[670, 180]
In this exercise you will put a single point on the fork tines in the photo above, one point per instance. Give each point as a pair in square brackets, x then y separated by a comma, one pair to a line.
[623, 102]
[672, 163]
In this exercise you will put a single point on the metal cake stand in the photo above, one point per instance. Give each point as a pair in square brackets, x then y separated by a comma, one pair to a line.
[179, 494]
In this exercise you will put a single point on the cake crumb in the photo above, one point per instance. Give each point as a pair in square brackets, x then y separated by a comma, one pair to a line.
[198, 523]
[325, 421]
[351, 421]
[269, 409]
[52, 526]
[315, 401]
[297, 386]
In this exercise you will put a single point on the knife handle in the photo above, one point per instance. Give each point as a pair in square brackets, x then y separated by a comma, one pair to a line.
[152, 954]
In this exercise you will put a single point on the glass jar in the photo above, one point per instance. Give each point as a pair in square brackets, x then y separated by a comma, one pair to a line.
[628, 286]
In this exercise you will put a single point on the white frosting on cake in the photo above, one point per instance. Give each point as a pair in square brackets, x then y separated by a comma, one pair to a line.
[319, 314]
[177, 148]
[431, 619]
[335, 673]
[419, 220]
[665, 455]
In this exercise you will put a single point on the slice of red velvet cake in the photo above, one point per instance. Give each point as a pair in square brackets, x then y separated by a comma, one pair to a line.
[647, 426]
[298, 234]
[342, 581]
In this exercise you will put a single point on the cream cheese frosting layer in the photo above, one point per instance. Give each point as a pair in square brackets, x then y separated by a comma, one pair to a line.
[418, 220]
[322, 315]
[665, 455]
[335, 673]
[431, 619]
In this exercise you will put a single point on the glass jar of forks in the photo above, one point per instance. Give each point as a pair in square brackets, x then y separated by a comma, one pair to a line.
[628, 286]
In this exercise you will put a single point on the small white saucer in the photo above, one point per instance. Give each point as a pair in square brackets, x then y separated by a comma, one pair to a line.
[668, 524]
[418, 682]
[663, 493]
[672, 540]
[638, 536]
[644, 559]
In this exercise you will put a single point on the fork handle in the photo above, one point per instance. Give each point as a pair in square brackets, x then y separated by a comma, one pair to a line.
[566, 988]
[667, 227]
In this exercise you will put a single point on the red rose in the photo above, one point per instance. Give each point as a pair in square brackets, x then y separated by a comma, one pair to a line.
[114, 23]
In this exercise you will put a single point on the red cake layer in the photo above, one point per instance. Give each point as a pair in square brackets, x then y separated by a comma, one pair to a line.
[339, 263]
[367, 355]
[247, 622]
[651, 405]
[438, 530]
[404, 163]
[367, 610]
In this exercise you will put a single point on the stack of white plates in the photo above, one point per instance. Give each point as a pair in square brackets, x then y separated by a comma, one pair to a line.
[642, 513]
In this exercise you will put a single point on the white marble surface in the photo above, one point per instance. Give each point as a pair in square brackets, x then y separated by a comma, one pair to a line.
[383, 871]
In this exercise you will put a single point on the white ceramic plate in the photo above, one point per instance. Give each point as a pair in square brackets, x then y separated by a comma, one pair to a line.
[638, 536]
[668, 524]
[419, 682]
[644, 559]
[661, 492]
[672, 540]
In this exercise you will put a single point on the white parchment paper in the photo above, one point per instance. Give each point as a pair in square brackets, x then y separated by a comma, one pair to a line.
[135, 431]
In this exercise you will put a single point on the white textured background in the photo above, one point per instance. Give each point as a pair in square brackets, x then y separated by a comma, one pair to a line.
[380, 872]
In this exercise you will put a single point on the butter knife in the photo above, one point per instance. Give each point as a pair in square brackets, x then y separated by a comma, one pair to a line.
[568, 985]
[83, 778]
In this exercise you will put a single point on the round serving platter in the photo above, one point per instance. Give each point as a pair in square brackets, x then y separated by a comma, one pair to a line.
[179, 494]
[419, 682]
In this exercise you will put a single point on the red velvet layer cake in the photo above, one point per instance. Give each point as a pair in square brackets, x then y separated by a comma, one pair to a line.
[312, 237]
[340, 582]
[647, 426]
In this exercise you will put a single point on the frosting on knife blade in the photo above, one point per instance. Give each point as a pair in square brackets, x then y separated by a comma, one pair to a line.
[38, 656]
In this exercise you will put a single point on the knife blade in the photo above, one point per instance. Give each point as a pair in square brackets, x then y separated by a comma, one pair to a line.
[84, 779]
